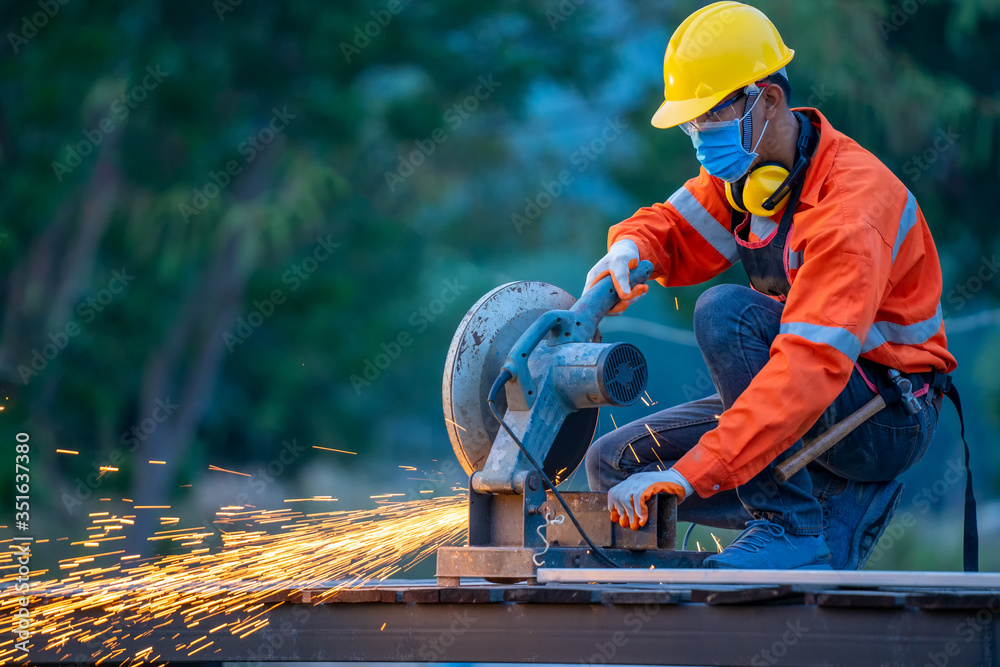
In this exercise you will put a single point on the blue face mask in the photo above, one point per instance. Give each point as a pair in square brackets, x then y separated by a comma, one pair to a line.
[721, 151]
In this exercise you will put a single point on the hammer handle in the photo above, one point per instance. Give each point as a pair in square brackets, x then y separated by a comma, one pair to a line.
[812, 449]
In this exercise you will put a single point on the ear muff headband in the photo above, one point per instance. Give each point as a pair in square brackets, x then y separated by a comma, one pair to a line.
[759, 187]
[769, 185]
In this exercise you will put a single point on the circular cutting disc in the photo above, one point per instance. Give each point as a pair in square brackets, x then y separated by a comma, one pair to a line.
[477, 353]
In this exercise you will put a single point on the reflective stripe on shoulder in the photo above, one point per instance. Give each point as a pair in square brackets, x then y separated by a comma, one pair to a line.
[907, 221]
[838, 338]
[795, 259]
[902, 334]
[707, 226]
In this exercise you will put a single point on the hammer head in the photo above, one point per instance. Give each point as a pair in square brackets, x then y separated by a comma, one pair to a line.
[910, 403]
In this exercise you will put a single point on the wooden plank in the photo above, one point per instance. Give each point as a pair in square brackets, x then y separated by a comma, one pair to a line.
[852, 578]
[348, 595]
[742, 595]
[422, 595]
[955, 600]
[471, 595]
[855, 599]
[551, 595]
[390, 595]
[640, 596]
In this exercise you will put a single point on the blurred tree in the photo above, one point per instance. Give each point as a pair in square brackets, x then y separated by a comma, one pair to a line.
[358, 158]
[206, 151]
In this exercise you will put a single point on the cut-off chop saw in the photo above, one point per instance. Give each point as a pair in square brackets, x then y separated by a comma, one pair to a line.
[525, 377]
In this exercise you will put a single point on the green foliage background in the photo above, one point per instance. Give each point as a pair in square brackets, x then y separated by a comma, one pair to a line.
[892, 75]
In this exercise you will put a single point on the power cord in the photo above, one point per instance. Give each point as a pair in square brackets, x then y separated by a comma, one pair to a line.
[504, 377]
[684, 544]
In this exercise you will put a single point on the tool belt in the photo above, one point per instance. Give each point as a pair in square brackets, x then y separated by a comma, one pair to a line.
[933, 385]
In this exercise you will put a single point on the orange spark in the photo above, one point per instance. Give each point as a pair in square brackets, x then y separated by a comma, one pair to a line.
[340, 451]
[218, 469]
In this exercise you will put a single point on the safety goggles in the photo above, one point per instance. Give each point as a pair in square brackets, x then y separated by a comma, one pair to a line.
[724, 115]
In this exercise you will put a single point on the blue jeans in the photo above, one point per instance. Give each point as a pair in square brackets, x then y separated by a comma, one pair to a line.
[734, 327]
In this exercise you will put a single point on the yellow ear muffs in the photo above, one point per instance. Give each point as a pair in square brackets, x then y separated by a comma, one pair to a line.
[760, 184]
[735, 196]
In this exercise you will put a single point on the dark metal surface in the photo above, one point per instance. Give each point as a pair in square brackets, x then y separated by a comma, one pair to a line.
[515, 563]
[598, 624]
[503, 534]
[591, 509]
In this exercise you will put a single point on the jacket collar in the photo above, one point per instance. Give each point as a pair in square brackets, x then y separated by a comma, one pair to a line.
[822, 160]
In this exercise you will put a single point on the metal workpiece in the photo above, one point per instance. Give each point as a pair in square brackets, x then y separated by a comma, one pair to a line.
[506, 531]
[738, 625]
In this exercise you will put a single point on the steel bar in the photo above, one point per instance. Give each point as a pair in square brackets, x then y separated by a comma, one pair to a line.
[595, 624]
[861, 579]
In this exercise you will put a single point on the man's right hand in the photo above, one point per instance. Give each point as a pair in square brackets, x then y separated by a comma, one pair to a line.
[621, 258]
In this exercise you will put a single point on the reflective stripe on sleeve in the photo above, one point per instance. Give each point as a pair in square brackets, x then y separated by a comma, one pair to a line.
[907, 221]
[902, 334]
[838, 338]
[702, 222]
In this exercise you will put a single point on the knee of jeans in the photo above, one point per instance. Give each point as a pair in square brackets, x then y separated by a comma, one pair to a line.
[594, 462]
[714, 314]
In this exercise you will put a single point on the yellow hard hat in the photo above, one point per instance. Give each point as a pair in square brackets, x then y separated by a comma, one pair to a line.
[719, 49]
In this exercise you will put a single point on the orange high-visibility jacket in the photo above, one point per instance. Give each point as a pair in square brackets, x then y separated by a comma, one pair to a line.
[865, 281]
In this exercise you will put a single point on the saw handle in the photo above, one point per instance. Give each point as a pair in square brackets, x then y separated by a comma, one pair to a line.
[577, 325]
[595, 303]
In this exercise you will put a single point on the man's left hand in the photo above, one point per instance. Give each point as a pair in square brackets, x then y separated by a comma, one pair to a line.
[627, 500]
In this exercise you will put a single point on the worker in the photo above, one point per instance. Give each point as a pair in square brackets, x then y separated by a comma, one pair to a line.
[845, 284]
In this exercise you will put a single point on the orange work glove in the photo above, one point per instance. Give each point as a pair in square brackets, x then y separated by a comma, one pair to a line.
[621, 258]
[627, 500]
